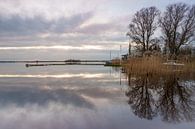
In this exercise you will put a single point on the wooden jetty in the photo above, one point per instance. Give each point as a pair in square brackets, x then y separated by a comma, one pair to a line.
[52, 61]
[31, 65]
[63, 62]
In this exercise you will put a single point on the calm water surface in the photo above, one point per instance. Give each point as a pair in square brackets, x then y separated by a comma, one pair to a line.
[91, 97]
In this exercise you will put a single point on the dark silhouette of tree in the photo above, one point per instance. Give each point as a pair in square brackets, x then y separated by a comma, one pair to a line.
[178, 26]
[175, 103]
[166, 96]
[142, 28]
[140, 97]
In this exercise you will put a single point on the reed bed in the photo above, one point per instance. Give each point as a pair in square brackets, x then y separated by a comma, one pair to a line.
[156, 66]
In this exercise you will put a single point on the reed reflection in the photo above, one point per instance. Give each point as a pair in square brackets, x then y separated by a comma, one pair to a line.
[170, 97]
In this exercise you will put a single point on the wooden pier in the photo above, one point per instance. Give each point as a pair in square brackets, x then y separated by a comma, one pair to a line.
[30, 65]
[52, 61]
[63, 62]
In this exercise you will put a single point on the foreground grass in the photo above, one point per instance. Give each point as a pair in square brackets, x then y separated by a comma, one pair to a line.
[155, 65]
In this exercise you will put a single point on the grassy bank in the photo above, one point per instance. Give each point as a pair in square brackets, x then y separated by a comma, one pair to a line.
[157, 66]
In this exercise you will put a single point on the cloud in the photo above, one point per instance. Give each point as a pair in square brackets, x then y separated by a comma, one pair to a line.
[17, 25]
[71, 22]
[72, 29]
[45, 8]
[98, 28]
[60, 21]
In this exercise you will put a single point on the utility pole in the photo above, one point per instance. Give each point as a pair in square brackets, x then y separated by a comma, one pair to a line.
[110, 56]
[129, 47]
[120, 50]
[120, 54]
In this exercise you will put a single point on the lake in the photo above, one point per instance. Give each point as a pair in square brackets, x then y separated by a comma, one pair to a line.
[92, 97]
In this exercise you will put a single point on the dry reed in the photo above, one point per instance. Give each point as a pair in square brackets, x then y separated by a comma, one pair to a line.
[156, 66]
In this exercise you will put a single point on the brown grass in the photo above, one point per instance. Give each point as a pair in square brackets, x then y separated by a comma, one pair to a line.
[155, 66]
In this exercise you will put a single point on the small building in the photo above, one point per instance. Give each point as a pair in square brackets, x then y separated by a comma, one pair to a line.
[125, 56]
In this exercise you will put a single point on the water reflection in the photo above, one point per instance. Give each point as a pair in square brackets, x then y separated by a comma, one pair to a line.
[170, 97]
[41, 97]
[86, 97]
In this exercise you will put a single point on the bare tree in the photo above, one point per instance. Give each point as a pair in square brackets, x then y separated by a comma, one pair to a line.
[142, 28]
[178, 26]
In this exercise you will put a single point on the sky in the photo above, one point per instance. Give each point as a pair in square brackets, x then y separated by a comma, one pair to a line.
[69, 24]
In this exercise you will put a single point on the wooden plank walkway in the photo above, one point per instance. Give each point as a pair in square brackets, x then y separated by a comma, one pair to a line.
[52, 61]
[31, 65]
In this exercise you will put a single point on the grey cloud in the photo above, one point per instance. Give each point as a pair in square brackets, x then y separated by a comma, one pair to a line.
[116, 25]
[19, 26]
[96, 28]
[70, 24]
[16, 25]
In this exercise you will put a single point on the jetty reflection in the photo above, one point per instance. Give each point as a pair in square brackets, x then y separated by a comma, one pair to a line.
[171, 97]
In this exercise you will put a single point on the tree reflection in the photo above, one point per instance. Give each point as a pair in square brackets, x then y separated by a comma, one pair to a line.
[175, 102]
[140, 97]
[168, 97]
